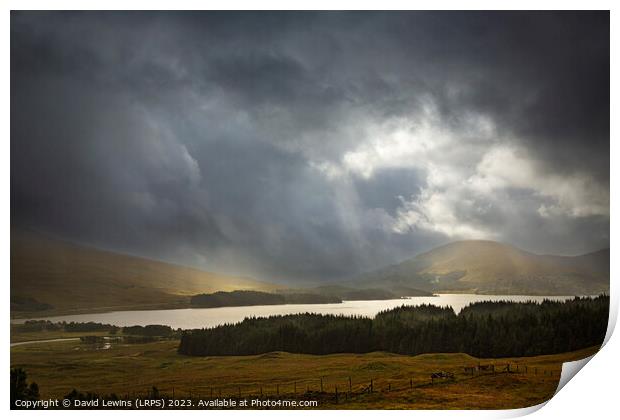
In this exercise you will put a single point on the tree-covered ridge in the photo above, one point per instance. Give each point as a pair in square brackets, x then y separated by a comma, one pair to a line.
[252, 298]
[482, 329]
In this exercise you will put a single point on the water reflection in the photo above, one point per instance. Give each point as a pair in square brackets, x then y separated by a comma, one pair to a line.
[209, 317]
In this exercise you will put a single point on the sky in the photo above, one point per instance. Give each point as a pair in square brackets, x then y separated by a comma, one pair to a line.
[309, 147]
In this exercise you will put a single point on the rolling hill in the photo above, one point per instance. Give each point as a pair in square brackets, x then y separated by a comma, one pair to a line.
[50, 276]
[488, 267]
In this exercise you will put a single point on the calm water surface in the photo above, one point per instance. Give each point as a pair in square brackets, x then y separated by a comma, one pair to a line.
[210, 317]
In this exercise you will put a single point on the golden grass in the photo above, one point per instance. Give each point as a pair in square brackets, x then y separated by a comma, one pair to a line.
[134, 369]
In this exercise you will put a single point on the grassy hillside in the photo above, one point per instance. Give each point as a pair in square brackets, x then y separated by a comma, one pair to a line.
[493, 268]
[52, 276]
[399, 381]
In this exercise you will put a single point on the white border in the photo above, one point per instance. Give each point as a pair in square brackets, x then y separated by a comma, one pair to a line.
[593, 394]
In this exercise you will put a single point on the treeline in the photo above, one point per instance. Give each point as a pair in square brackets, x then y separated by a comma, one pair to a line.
[482, 329]
[43, 325]
[253, 298]
[90, 327]
[154, 330]
[37, 326]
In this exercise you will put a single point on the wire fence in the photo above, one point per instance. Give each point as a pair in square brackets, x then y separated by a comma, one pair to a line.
[341, 389]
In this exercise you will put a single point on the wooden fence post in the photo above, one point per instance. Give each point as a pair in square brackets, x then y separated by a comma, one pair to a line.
[350, 384]
[321, 384]
[371, 387]
[410, 383]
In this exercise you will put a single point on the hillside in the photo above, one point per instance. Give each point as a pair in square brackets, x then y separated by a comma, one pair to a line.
[52, 276]
[488, 267]
[254, 298]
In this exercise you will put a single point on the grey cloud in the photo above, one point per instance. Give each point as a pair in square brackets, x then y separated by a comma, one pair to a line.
[199, 138]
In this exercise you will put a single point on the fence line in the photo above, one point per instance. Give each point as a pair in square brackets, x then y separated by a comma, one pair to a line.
[345, 388]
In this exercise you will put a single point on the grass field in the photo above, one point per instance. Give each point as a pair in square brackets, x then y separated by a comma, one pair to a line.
[20, 336]
[398, 381]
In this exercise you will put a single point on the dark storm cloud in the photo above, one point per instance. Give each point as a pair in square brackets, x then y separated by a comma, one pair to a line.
[287, 145]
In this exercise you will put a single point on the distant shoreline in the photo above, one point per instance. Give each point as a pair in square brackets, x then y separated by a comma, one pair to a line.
[21, 318]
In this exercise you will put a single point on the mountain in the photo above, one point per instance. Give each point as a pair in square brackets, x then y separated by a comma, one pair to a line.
[488, 267]
[51, 276]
